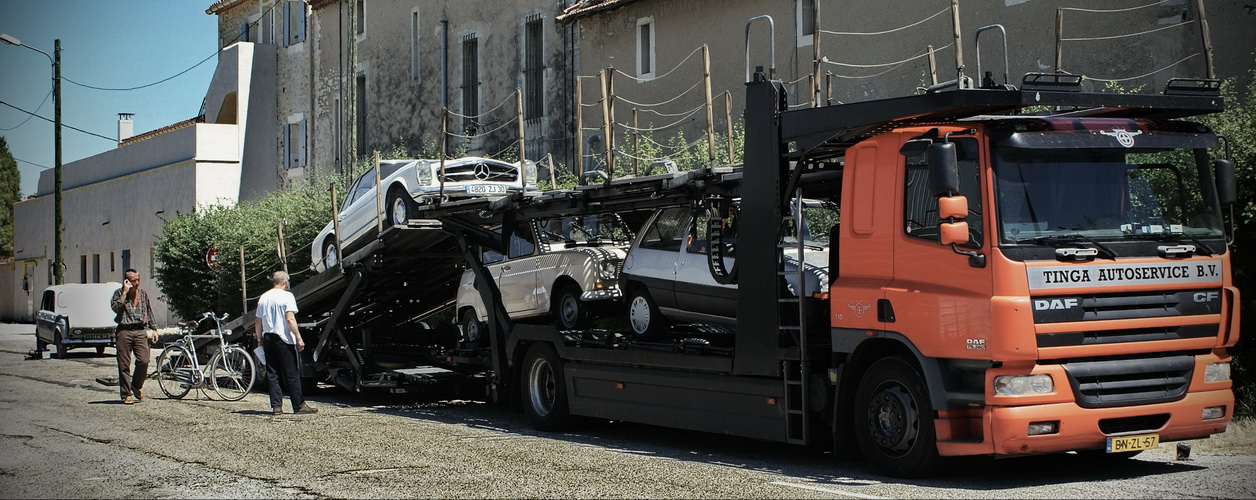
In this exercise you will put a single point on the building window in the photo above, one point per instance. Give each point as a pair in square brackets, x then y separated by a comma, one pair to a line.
[95, 268]
[415, 68]
[266, 23]
[83, 269]
[533, 67]
[470, 82]
[361, 10]
[112, 268]
[645, 47]
[361, 113]
[294, 153]
[805, 20]
[293, 22]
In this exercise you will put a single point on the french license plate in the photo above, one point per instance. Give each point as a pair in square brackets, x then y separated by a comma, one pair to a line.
[1133, 443]
[486, 189]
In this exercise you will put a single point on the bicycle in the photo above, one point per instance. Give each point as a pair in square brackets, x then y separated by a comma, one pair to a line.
[230, 371]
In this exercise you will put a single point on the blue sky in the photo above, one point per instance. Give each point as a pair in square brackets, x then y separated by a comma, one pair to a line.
[109, 44]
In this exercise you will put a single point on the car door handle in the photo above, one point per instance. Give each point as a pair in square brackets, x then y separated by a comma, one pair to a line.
[505, 268]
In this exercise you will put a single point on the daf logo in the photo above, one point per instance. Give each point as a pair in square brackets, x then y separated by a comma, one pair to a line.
[1203, 297]
[1125, 137]
[481, 171]
[1054, 304]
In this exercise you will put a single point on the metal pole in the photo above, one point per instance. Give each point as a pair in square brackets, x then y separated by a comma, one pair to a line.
[1203, 31]
[59, 264]
[710, 111]
[579, 132]
[523, 179]
[244, 288]
[444, 131]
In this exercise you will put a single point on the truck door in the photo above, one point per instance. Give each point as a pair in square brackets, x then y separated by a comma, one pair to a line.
[946, 296]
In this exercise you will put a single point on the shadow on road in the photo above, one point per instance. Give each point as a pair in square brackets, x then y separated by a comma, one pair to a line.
[809, 464]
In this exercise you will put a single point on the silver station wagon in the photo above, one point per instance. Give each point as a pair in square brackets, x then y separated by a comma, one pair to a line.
[666, 276]
[562, 269]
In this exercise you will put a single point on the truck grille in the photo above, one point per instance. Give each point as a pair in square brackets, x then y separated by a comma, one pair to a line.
[1092, 337]
[1129, 381]
[1097, 307]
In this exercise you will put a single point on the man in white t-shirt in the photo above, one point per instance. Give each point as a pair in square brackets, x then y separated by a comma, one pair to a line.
[275, 327]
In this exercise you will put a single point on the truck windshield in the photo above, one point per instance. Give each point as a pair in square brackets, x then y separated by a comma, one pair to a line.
[1100, 194]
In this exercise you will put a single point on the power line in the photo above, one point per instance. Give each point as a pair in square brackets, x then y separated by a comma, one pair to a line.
[110, 139]
[32, 163]
[28, 118]
[176, 75]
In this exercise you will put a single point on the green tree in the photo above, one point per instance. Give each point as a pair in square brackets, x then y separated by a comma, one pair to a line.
[10, 193]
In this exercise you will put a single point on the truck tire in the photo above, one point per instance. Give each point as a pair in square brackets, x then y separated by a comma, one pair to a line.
[894, 419]
[571, 312]
[544, 390]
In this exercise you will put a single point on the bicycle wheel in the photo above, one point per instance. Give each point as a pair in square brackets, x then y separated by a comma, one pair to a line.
[232, 372]
[174, 371]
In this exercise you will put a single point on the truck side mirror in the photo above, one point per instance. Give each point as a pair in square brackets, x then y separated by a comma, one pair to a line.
[943, 168]
[952, 207]
[953, 233]
[1227, 193]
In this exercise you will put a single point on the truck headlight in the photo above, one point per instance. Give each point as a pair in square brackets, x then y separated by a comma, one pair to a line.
[1217, 372]
[1020, 385]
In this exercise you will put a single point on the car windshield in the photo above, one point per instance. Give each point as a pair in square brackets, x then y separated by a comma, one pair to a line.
[605, 228]
[1104, 194]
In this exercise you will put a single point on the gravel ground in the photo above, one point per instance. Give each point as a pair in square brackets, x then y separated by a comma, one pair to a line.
[62, 435]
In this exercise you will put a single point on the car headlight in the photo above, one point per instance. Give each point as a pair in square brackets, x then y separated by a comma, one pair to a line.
[424, 173]
[607, 268]
[1217, 372]
[529, 172]
[1021, 385]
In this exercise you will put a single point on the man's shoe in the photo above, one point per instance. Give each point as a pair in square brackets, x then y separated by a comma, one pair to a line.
[128, 400]
[139, 396]
[307, 409]
[277, 410]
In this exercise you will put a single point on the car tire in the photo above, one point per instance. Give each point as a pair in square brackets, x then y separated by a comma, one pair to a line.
[644, 317]
[58, 341]
[331, 254]
[473, 330]
[570, 312]
[400, 208]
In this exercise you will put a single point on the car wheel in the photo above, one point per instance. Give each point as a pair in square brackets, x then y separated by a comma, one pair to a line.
[331, 255]
[400, 208]
[571, 312]
[100, 349]
[58, 339]
[643, 314]
[473, 330]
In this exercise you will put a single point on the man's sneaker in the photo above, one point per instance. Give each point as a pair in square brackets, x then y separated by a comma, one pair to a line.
[128, 400]
[307, 409]
[276, 410]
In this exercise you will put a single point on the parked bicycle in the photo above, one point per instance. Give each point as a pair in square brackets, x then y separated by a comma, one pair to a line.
[230, 371]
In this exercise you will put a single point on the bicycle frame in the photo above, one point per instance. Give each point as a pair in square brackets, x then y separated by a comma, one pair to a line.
[230, 365]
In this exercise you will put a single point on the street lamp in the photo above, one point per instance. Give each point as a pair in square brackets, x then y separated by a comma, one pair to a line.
[58, 267]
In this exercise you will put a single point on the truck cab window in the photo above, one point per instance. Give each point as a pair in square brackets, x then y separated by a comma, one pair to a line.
[920, 209]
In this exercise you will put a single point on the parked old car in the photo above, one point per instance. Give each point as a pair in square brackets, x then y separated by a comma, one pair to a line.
[667, 277]
[406, 184]
[566, 269]
[76, 315]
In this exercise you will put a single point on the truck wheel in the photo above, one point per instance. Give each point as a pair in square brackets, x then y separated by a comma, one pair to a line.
[894, 419]
[544, 391]
[643, 314]
[571, 312]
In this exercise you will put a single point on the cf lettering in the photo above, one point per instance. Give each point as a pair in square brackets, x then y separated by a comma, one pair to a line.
[1205, 296]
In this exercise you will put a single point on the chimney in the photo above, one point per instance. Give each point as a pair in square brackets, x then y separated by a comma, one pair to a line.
[126, 127]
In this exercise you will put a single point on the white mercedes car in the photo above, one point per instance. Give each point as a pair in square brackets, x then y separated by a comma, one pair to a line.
[406, 184]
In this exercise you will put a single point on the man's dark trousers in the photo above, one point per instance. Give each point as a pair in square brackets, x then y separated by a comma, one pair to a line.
[281, 365]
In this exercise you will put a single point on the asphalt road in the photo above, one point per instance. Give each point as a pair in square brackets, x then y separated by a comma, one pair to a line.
[62, 435]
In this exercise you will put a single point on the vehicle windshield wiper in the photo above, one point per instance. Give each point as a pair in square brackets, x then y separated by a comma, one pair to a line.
[1207, 250]
[1055, 239]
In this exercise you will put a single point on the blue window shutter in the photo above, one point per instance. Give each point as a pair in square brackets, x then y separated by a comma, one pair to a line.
[301, 13]
[287, 147]
[244, 32]
[287, 22]
[302, 159]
